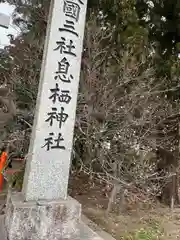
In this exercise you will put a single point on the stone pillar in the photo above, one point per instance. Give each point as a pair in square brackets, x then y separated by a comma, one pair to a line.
[47, 170]
[4, 20]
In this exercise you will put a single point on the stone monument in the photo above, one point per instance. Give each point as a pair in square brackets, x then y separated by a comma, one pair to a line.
[43, 211]
[4, 20]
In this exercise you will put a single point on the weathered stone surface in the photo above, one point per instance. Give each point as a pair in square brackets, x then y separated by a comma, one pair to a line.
[85, 233]
[42, 220]
[48, 160]
[97, 229]
[4, 20]
[3, 234]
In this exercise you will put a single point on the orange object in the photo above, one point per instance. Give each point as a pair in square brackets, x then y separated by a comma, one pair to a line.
[2, 165]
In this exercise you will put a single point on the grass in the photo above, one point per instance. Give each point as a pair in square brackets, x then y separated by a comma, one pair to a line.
[125, 227]
[151, 232]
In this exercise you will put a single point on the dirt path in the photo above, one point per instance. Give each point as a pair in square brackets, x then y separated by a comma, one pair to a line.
[171, 224]
[153, 223]
[164, 224]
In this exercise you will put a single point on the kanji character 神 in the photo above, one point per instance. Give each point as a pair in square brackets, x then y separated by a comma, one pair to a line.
[60, 117]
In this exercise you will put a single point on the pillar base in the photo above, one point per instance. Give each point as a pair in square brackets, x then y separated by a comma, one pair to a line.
[42, 220]
[45, 220]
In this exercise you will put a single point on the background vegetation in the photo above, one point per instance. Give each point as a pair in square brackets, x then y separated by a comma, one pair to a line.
[127, 126]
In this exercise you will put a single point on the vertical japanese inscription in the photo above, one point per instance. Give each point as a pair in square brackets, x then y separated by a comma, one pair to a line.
[63, 70]
[58, 96]
[72, 12]
[56, 116]
[64, 47]
[54, 143]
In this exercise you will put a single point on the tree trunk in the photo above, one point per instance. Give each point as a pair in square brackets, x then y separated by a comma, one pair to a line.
[168, 164]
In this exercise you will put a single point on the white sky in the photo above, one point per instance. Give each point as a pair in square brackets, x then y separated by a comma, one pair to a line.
[8, 10]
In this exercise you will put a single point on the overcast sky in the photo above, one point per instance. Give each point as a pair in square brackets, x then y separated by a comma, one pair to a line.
[8, 10]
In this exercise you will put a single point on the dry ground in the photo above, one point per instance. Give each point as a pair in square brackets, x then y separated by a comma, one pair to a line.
[136, 222]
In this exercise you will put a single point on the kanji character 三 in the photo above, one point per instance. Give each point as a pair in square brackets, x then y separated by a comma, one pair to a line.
[69, 27]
